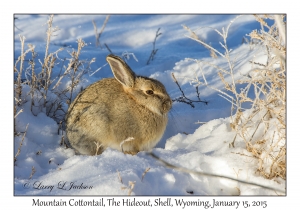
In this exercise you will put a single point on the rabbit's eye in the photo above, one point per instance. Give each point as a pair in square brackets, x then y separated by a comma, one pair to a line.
[149, 92]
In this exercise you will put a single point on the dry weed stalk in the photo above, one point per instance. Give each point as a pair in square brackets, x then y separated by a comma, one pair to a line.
[108, 48]
[130, 186]
[20, 111]
[154, 51]
[195, 37]
[124, 141]
[16, 18]
[97, 35]
[49, 60]
[119, 176]
[146, 171]
[21, 144]
[268, 108]
[17, 103]
[75, 70]
[21, 58]
[98, 146]
[18, 83]
[32, 172]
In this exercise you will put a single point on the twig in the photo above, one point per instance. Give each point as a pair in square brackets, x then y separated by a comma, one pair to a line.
[90, 74]
[108, 48]
[207, 46]
[119, 176]
[154, 51]
[258, 126]
[20, 111]
[126, 55]
[15, 18]
[131, 186]
[194, 35]
[147, 169]
[32, 172]
[62, 141]
[96, 33]
[21, 144]
[98, 146]
[126, 140]
[101, 31]
[185, 170]
[183, 98]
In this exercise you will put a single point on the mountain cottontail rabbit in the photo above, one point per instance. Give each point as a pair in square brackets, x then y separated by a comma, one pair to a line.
[128, 113]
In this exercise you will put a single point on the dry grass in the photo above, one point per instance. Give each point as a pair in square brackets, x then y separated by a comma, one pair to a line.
[263, 126]
[269, 105]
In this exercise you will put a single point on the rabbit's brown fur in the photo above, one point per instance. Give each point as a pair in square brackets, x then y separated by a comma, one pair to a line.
[114, 109]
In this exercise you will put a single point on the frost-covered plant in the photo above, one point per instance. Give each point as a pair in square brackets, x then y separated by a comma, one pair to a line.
[46, 94]
[263, 126]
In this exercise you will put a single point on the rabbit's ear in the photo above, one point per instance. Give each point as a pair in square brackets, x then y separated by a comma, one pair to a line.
[121, 70]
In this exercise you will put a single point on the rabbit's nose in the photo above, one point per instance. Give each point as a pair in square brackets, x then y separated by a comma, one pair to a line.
[167, 105]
